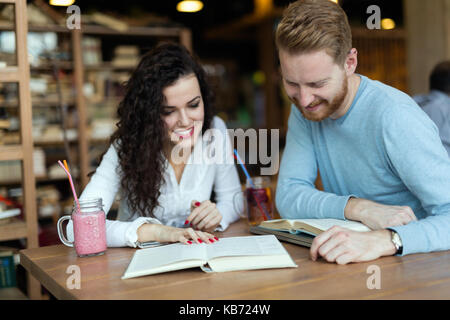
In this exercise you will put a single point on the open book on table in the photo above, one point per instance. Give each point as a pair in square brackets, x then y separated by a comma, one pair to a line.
[303, 231]
[227, 254]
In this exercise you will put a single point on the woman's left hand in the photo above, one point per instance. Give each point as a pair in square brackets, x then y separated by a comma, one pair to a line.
[205, 216]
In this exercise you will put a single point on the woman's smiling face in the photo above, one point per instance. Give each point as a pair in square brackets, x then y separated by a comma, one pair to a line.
[183, 111]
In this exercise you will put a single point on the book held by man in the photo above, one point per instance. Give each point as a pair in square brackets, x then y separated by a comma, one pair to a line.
[227, 254]
[303, 231]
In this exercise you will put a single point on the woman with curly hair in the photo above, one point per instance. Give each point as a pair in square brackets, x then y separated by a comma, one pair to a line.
[164, 196]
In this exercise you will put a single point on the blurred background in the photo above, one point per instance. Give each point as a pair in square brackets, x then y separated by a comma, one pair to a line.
[234, 40]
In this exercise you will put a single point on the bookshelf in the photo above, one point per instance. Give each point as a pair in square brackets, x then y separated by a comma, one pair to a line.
[20, 74]
[82, 146]
[78, 106]
[27, 104]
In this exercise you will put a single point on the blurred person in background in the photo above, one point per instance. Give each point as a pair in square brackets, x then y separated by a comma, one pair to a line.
[437, 103]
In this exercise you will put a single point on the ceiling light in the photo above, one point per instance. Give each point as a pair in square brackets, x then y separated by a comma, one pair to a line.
[189, 6]
[387, 24]
[62, 3]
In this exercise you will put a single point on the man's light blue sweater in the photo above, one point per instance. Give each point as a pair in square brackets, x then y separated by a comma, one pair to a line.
[385, 149]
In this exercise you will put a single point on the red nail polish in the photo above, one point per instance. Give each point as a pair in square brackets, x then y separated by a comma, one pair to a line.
[211, 240]
[190, 242]
[186, 222]
[199, 240]
[217, 239]
[197, 204]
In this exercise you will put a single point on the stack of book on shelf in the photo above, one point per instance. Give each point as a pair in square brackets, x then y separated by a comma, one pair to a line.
[102, 128]
[48, 198]
[11, 171]
[53, 133]
[126, 56]
[40, 171]
[4, 127]
[45, 90]
[6, 215]
[9, 205]
[92, 51]
[107, 21]
[8, 261]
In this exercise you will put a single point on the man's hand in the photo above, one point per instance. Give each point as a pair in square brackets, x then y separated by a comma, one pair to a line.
[378, 216]
[343, 246]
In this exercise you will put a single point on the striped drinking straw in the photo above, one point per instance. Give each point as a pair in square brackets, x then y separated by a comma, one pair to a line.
[261, 208]
[66, 169]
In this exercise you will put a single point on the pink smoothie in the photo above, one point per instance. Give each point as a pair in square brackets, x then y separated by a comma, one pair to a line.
[89, 232]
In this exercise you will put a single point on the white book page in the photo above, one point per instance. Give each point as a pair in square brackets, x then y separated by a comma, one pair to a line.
[170, 267]
[146, 259]
[279, 221]
[245, 246]
[222, 264]
[325, 224]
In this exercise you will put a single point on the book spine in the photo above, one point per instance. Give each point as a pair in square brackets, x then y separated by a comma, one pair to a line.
[2, 274]
[7, 272]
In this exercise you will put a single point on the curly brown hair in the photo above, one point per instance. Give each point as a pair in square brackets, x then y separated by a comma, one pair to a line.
[141, 131]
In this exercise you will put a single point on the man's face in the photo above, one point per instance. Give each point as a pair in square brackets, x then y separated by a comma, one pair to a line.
[314, 83]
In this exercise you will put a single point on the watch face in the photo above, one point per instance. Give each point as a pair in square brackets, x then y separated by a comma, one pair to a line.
[397, 238]
[397, 241]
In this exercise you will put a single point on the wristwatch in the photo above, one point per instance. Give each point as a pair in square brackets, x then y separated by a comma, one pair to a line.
[395, 238]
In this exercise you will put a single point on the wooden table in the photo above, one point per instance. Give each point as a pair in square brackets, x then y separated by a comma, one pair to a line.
[418, 276]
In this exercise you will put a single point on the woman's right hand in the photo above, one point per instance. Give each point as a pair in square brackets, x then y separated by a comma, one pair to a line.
[162, 233]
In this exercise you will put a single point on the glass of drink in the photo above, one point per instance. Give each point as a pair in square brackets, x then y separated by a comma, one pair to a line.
[258, 204]
[89, 228]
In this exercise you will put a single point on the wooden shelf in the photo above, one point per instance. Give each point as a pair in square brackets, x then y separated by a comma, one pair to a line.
[50, 103]
[27, 228]
[38, 179]
[12, 294]
[8, 26]
[67, 65]
[11, 152]
[16, 229]
[9, 74]
[156, 31]
[107, 66]
[58, 143]
[37, 102]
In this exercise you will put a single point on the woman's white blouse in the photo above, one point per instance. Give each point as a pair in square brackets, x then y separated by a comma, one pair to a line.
[198, 181]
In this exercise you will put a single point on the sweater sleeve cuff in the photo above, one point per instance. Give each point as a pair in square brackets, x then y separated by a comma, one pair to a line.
[223, 225]
[407, 235]
[131, 232]
[229, 215]
[340, 206]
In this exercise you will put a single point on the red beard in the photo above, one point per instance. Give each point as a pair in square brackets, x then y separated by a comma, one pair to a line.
[327, 108]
